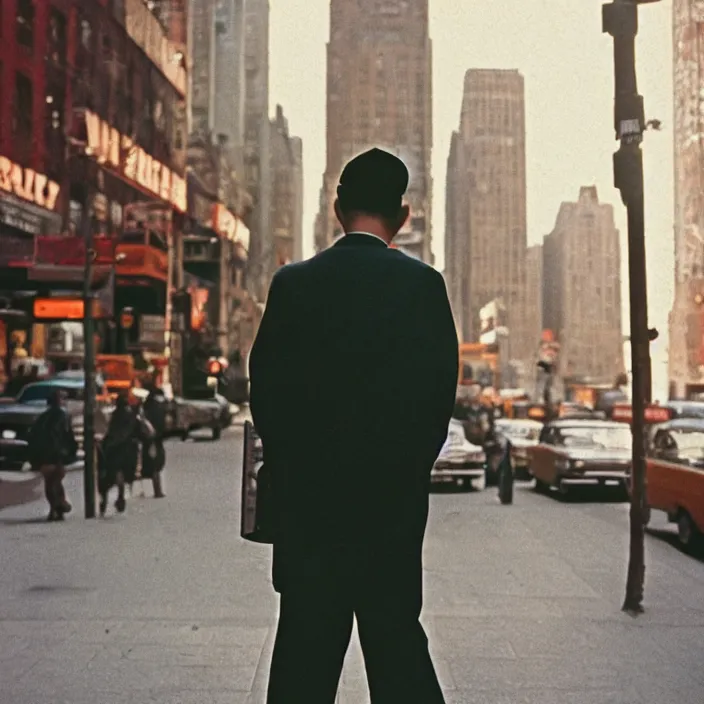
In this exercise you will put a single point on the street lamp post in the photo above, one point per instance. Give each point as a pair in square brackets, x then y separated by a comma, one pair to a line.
[620, 20]
[88, 364]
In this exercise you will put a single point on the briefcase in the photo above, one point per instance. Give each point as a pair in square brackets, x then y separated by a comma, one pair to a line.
[256, 509]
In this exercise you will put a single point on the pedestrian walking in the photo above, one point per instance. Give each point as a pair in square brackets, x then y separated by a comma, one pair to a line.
[153, 450]
[52, 445]
[119, 454]
[353, 379]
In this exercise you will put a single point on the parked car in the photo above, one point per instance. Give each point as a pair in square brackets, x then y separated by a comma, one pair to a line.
[459, 462]
[522, 434]
[675, 477]
[581, 452]
[17, 418]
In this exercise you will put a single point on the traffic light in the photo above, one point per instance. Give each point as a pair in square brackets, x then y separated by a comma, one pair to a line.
[214, 367]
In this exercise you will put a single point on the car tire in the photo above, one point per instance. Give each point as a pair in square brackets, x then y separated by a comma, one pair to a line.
[687, 532]
[217, 432]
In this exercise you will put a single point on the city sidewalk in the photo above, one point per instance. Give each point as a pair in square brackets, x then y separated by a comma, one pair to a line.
[166, 604]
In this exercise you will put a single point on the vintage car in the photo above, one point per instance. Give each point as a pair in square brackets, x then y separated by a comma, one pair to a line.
[581, 452]
[675, 477]
[522, 434]
[17, 418]
[459, 462]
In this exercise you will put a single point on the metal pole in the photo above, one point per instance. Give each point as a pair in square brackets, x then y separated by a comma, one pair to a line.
[88, 364]
[620, 20]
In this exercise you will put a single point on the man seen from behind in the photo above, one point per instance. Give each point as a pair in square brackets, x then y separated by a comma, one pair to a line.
[353, 379]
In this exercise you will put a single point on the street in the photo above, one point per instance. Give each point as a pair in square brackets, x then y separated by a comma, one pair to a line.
[166, 604]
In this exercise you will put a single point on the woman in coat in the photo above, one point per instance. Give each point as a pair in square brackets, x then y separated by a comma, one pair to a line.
[119, 454]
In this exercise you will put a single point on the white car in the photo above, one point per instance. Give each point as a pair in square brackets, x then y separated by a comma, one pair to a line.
[459, 462]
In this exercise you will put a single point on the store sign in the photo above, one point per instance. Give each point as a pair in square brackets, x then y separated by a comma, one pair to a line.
[152, 331]
[28, 184]
[653, 414]
[131, 161]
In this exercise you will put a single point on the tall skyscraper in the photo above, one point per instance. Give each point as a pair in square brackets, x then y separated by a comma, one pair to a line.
[686, 353]
[379, 94]
[534, 298]
[257, 159]
[202, 47]
[486, 205]
[582, 288]
[287, 192]
[229, 84]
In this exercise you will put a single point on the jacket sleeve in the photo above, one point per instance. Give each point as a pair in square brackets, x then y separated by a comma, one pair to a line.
[269, 372]
[440, 349]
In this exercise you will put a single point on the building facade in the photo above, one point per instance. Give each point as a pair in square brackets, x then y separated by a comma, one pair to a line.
[230, 92]
[379, 94]
[456, 236]
[582, 289]
[257, 159]
[486, 201]
[686, 353]
[534, 297]
[92, 124]
[286, 191]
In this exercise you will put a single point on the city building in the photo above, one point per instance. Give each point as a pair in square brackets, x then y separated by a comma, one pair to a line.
[286, 191]
[379, 89]
[686, 353]
[216, 239]
[92, 133]
[230, 93]
[257, 159]
[456, 236]
[534, 299]
[582, 289]
[485, 236]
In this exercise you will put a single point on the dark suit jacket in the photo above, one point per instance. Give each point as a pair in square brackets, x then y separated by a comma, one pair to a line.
[353, 380]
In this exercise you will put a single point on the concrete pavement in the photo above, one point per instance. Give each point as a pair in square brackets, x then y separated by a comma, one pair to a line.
[166, 604]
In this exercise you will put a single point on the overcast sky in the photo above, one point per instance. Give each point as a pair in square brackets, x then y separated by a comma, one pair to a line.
[568, 67]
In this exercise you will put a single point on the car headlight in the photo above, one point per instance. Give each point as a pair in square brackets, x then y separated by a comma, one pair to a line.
[565, 465]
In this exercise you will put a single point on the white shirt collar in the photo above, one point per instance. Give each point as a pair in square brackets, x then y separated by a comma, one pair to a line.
[369, 234]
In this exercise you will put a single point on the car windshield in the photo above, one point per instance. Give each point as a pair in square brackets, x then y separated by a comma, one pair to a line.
[689, 442]
[36, 393]
[519, 430]
[609, 438]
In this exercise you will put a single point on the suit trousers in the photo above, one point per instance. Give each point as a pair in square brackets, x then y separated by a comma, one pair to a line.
[324, 590]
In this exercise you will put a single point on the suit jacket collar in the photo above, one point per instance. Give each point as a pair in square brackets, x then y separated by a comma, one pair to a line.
[360, 239]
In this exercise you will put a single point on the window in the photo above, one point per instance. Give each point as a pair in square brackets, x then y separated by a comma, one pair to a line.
[22, 122]
[56, 39]
[25, 22]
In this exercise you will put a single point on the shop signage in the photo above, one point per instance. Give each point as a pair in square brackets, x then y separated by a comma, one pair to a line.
[133, 163]
[152, 331]
[652, 414]
[28, 184]
[228, 225]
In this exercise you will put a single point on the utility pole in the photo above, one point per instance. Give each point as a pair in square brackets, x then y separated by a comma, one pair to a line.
[88, 361]
[620, 20]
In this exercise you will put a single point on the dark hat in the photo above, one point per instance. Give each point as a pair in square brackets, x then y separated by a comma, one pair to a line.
[373, 181]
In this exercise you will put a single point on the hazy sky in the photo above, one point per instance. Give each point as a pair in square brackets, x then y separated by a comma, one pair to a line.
[568, 67]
